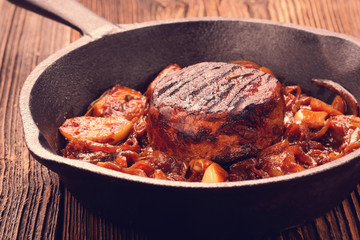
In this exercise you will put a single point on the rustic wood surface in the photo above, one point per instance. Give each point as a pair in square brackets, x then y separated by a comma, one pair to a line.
[33, 202]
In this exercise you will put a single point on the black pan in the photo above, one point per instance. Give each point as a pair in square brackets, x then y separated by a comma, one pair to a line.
[64, 84]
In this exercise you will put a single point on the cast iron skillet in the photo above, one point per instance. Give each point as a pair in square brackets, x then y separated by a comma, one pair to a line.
[64, 84]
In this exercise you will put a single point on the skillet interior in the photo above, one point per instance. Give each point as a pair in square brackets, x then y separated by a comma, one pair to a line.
[134, 57]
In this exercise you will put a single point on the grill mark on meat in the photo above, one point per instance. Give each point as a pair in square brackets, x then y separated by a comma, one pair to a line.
[164, 89]
[192, 73]
[251, 111]
[202, 76]
[197, 91]
[226, 100]
[205, 94]
[218, 77]
[239, 98]
[195, 75]
[217, 101]
[209, 101]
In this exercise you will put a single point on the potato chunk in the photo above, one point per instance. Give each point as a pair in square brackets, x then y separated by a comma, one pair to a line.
[215, 173]
[313, 119]
[104, 130]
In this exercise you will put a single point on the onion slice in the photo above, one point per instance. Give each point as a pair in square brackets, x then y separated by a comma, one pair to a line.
[350, 100]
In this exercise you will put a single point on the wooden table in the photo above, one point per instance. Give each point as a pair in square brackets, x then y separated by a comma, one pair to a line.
[33, 202]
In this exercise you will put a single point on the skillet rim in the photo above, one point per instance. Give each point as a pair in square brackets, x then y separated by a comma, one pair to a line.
[32, 133]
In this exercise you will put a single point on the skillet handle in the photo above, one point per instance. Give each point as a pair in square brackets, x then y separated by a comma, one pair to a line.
[69, 12]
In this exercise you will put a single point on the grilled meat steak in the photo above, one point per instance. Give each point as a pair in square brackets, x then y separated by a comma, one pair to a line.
[217, 111]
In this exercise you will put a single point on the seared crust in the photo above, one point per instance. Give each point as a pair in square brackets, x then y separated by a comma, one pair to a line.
[216, 111]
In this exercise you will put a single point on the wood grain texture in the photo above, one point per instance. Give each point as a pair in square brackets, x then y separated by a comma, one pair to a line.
[29, 193]
[33, 203]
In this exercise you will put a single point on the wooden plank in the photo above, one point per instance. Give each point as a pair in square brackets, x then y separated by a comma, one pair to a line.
[29, 193]
[80, 223]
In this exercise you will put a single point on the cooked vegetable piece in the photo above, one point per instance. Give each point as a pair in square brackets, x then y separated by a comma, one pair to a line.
[215, 173]
[158, 174]
[144, 166]
[265, 69]
[247, 169]
[346, 131]
[90, 151]
[246, 63]
[120, 101]
[318, 105]
[301, 156]
[83, 145]
[279, 159]
[350, 100]
[110, 165]
[251, 64]
[200, 165]
[104, 130]
[339, 104]
[313, 119]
